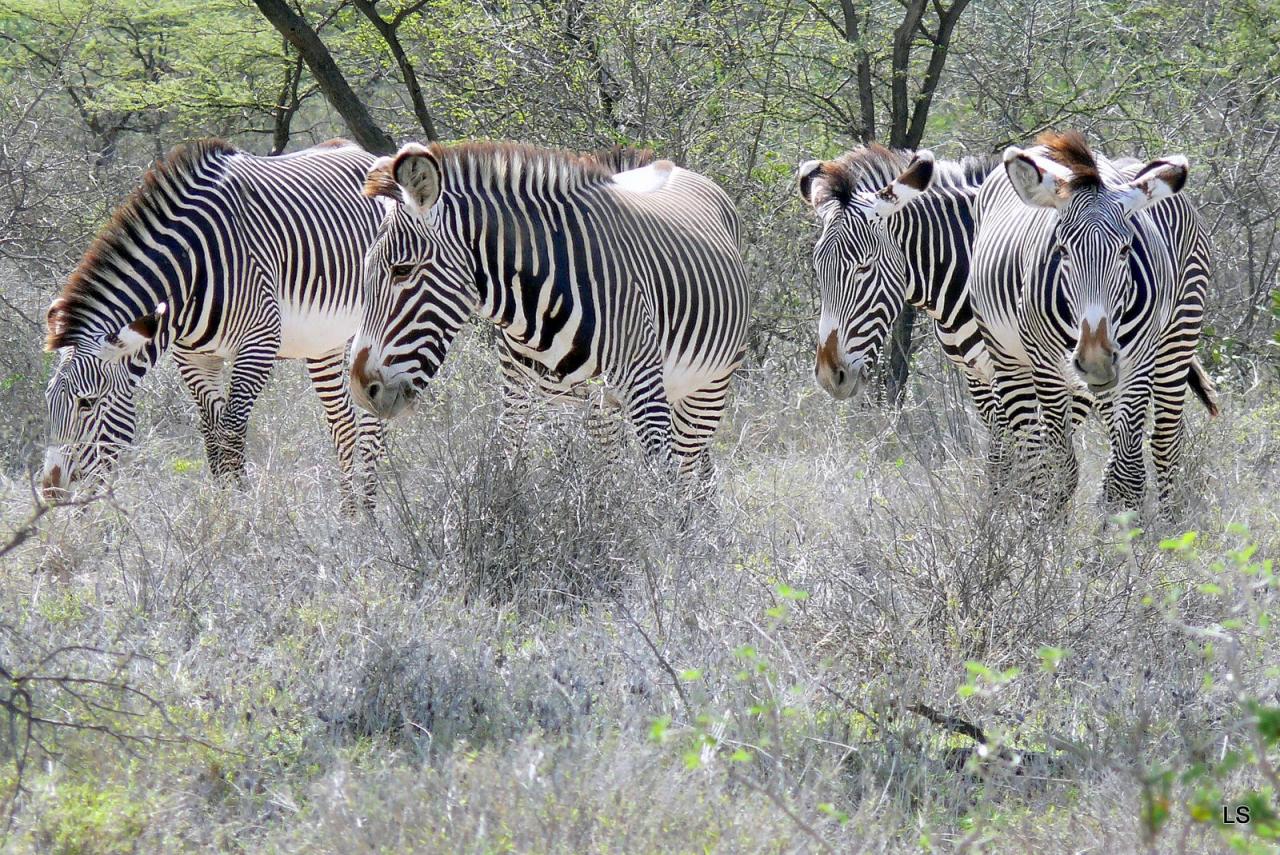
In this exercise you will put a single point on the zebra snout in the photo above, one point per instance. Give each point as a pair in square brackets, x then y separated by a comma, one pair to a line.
[54, 480]
[838, 375]
[1096, 358]
[384, 397]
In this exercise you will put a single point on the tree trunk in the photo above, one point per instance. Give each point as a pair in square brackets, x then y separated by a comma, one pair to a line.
[899, 347]
[328, 77]
[387, 29]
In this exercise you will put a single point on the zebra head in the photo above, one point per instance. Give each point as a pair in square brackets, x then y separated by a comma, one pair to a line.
[419, 284]
[861, 269]
[1094, 250]
[90, 400]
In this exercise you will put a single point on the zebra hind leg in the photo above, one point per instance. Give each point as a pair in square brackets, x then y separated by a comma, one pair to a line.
[694, 420]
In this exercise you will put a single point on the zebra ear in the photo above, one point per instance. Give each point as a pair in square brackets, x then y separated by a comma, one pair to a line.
[1038, 181]
[805, 176]
[1158, 180]
[416, 171]
[913, 182]
[132, 337]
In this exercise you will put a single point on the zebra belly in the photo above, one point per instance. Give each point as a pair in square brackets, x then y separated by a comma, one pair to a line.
[310, 332]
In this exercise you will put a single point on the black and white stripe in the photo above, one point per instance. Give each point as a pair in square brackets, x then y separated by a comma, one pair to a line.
[633, 278]
[1079, 273]
[232, 261]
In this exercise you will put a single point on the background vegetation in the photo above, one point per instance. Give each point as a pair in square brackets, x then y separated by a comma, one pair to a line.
[848, 648]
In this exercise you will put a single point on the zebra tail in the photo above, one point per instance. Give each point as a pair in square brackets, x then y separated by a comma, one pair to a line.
[1200, 383]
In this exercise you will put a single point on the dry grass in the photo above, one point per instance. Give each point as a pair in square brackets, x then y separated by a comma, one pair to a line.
[548, 655]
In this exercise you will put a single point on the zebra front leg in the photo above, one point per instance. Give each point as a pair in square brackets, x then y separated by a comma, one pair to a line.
[202, 375]
[1059, 474]
[328, 378]
[1125, 481]
[1018, 413]
[249, 375]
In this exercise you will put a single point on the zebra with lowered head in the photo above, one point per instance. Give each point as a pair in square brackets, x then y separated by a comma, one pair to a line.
[227, 260]
[634, 278]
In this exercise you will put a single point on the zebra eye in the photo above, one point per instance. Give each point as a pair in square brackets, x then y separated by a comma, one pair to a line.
[1060, 251]
[84, 402]
[1124, 251]
[401, 271]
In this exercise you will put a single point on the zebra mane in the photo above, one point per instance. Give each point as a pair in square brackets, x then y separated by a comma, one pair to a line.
[1071, 149]
[510, 166]
[868, 168]
[76, 306]
[865, 168]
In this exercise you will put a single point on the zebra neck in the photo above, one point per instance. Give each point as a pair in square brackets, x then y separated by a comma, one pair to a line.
[531, 259]
[936, 236]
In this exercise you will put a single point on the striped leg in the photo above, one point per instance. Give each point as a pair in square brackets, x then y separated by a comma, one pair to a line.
[249, 375]
[694, 419]
[1059, 470]
[349, 431]
[1014, 389]
[202, 375]
[1125, 481]
[645, 401]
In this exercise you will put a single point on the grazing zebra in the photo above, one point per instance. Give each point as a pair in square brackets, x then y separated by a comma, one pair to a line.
[1076, 274]
[900, 226]
[223, 257]
[634, 278]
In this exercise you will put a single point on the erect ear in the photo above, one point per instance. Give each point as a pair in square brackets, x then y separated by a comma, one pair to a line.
[809, 172]
[132, 337]
[913, 182]
[1038, 181]
[416, 171]
[55, 320]
[380, 182]
[1158, 180]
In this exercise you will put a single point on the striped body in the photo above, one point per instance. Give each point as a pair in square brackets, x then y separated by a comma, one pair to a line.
[1084, 272]
[232, 261]
[633, 278]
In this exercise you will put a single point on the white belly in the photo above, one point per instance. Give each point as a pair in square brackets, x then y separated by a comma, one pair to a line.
[314, 332]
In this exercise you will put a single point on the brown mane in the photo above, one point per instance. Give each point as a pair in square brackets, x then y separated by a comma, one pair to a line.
[74, 305]
[1071, 149]
[500, 164]
[863, 168]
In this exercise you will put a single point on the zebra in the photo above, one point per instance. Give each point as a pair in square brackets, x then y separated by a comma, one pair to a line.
[1078, 272]
[896, 227]
[633, 278]
[224, 258]
[899, 225]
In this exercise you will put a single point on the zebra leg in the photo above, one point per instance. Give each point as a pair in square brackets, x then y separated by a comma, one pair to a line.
[1059, 468]
[249, 374]
[1125, 481]
[650, 412]
[328, 377]
[694, 420]
[202, 375]
[1082, 404]
[1014, 389]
